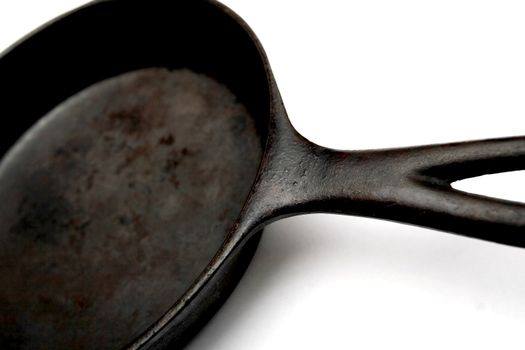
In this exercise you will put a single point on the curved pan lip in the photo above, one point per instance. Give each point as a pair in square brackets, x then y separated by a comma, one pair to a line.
[235, 236]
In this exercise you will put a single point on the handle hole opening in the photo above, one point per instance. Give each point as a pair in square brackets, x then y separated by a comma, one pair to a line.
[506, 185]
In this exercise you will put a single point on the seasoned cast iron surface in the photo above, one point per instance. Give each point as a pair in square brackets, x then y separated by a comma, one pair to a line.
[114, 203]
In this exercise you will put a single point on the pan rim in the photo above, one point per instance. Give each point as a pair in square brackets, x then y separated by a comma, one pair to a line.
[233, 237]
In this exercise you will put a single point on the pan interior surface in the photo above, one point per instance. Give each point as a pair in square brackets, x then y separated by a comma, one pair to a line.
[113, 204]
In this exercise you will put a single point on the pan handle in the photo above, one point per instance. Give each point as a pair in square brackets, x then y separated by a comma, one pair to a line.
[413, 185]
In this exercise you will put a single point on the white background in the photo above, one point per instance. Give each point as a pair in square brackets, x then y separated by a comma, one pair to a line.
[367, 74]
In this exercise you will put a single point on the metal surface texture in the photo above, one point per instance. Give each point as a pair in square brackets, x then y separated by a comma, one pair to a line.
[192, 173]
[117, 202]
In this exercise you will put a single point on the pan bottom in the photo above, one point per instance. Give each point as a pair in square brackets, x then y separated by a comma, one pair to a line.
[114, 203]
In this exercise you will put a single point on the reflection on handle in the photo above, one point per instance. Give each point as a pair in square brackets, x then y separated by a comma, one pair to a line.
[412, 185]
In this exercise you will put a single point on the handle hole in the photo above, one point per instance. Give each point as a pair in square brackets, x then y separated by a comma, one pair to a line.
[508, 185]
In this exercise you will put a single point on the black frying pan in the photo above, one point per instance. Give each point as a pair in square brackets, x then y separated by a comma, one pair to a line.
[146, 147]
